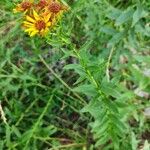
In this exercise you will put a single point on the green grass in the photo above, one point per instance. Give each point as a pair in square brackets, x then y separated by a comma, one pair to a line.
[80, 87]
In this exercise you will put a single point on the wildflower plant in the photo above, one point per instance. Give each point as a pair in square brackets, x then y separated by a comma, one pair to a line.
[39, 18]
[84, 86]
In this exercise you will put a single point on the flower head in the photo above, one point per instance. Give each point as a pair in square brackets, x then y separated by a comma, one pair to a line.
[39, 16]
[42, 4]
[24, 6]
[37, 24]
[56, 7]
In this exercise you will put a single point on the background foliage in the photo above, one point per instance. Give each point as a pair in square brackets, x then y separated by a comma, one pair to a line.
[85, 86]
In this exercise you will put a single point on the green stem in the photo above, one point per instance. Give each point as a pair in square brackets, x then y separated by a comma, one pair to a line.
[69, 146]
[93, 81]
[108, 64]
[23, 114]
[38, 121]
[57, 77]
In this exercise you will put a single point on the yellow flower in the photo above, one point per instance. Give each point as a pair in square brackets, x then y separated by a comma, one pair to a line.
[37, 24]
[56, 9]
[24, 6]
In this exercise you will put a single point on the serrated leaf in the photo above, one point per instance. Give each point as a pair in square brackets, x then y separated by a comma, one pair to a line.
[103, 139]
[87, 89]
[110, 89]
[116, 38]
[138, 14]
[95, 109]
[111, 105]
[76, 67]
[72, 66]
[124, 17]
[108, 30]
[113, 13]
[118, 123]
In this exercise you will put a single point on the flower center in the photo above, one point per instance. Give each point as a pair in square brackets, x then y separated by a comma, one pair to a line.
[40, 25]
[25, 5]
[42, 3]
[54, 7]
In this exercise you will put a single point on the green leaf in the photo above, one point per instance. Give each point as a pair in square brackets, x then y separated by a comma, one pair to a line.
[113, 13]
[124, 17]
[110, 89]
[76, 67]
[116, 38]
[8, 135]
[95, 109]
[87, 89]
[134, 141]
[102, 140]
[72, 66]
[138, 14]
[1, 145]
[16, 131]
[146, 146]
[108, 30]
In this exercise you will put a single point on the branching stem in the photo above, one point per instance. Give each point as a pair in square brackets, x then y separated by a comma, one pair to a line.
[64, 83]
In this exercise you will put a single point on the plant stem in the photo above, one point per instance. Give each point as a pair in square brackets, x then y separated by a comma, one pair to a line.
[57, 77]
[108, 64]
[69, 145]
[27, 110]
[38, 121]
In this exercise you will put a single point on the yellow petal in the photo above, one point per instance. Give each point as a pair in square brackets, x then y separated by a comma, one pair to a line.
[30, 30]
[28, 23]
[28, 26]
[33, 33]
[36, 16]
[30, 19]
[48, 24]
[47, 17]
[44, 31]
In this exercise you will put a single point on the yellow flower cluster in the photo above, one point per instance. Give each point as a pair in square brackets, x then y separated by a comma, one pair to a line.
[40, 17]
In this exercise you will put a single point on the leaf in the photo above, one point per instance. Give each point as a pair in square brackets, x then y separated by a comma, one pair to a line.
[102, 128]
[113, 13]
[146, 146]
[76, 67]
[110, 89]
[111, 105]
[102, 140]
[116, 38]
[87, 89]
[134, 141]
[118, 124]
[72, 66]
[16, 131]
[95, 109]
[26, 136]
[1, 145]
[124, 17]
[138, 14]
[108, 30]
[8, 135]
[46, 131]
[67, 54]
